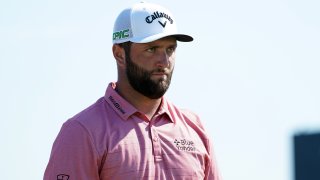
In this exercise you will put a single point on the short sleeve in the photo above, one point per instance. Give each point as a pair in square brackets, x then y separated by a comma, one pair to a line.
[73, 155]
[212, 172]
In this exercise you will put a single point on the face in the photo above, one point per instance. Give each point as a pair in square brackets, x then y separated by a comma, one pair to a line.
[150, 66]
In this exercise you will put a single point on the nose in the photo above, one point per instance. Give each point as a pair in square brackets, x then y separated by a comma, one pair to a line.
[163, 60]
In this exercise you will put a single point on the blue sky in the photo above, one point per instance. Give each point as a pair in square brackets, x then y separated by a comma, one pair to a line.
[252, 74]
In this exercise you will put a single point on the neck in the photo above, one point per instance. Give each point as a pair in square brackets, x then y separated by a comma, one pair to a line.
[143, 104]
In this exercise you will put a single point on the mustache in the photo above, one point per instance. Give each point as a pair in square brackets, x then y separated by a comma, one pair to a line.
[161, 70]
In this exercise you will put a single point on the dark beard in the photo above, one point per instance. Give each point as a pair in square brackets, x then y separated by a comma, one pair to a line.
[140, 80]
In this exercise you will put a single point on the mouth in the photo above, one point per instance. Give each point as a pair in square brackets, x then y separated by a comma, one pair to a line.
[162, 74]
[159, 74]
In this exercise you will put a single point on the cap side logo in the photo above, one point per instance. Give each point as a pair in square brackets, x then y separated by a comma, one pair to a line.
[121, 34]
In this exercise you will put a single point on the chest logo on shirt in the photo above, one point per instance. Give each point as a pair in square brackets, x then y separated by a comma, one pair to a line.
[183, 144]
[62, 177]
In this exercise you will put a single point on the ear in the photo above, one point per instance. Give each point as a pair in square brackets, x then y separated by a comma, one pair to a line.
[119, 54]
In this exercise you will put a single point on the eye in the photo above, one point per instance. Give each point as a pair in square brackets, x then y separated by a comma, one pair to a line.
[171, 50]
[151, 49]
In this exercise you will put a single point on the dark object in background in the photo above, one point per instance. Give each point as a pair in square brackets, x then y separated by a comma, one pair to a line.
[307, 156]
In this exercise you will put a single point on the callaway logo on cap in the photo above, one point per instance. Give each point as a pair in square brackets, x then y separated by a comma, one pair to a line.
[145, 22]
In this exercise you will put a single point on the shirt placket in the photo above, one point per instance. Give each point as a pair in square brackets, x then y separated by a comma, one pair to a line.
[155, 143]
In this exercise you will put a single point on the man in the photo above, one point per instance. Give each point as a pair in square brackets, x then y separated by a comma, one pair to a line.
[133, 132]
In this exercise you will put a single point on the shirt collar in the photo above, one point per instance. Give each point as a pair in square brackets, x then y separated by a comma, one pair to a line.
[122, 107]
[167, 108]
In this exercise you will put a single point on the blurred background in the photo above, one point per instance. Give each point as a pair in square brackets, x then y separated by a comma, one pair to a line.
[252, 74]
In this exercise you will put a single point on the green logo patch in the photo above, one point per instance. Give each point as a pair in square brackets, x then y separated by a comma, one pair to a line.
[121, 34]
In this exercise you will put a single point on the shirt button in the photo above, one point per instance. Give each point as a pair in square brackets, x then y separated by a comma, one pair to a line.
[155, 139]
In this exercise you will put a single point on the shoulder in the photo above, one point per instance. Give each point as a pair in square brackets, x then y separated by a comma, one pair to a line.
[193, 117]
[89, 125]
[186, 116]
[93, 116]
[190, 114]
[92, 110]
[85, 117]
[92, 119]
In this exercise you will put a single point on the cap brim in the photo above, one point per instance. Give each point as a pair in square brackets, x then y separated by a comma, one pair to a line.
[179, 37]
[183, 37]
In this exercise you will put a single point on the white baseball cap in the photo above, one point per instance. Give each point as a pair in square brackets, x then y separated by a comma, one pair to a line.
[145, 22]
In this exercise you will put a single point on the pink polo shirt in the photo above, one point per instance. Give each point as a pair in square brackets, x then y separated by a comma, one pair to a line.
[112, 140]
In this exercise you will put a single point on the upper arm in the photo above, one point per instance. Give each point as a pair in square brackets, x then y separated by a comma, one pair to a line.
[73, 154]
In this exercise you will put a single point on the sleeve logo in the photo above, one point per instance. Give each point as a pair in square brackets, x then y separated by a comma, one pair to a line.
[62, 177]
